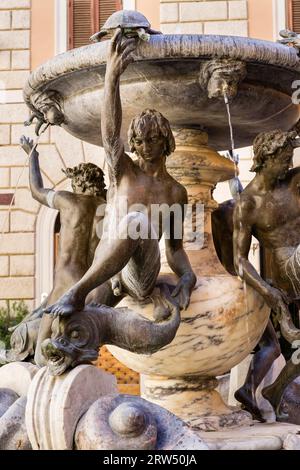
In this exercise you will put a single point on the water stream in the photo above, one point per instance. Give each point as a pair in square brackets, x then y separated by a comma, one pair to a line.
[234, 157]
[2, 231]
[226, 100]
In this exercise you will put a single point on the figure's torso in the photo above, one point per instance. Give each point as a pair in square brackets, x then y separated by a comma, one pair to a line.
[275, 215]
[77, 242]
[275, 220]
[136, 187]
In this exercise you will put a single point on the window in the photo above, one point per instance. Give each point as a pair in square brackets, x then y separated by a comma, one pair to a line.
[86, 17]
[293, 13]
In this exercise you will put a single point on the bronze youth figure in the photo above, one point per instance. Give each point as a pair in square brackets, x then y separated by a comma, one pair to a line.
[146, 182]
[269, 209]
[78, 233]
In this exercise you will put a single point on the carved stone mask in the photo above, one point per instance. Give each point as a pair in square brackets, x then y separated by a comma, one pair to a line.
[221, 76]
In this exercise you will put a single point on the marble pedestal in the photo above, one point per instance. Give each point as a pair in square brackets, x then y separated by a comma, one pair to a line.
[196, 401]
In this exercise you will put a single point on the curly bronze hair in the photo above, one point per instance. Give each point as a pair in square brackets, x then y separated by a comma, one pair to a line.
[86, 175]
[266, 144]
[154, 123]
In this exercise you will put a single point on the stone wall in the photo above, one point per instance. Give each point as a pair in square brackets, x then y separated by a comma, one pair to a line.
[17, 243]
[207, 17]
[18, 252]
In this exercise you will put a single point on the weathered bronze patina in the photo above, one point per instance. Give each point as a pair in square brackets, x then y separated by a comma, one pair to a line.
[268, 209]
[145, 182]
[78, 241]
[222, 76]
[76, 339]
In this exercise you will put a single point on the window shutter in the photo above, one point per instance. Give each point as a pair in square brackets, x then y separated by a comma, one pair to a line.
[106, 9]
[79, 22]
[294, 15]
[86, 17]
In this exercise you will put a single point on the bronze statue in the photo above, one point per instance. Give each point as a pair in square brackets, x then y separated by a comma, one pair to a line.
[145, 182]
[276, 393]
[268, 209]
[77, 244]
[289, 405]
[268, 349]
[262, 360]
[222, 231]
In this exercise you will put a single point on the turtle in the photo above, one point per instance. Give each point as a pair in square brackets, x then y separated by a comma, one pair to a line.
[290, 38]
[131, 22]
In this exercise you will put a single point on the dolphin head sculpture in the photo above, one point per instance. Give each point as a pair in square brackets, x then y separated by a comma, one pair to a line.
[76, 339]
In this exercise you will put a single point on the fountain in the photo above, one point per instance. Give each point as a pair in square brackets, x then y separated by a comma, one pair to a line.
[186, 77]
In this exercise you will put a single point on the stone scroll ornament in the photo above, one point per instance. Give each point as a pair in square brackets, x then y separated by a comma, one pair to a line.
[222, 76]
[46, 108]
[82, 410]
[15, 380]
[124, 422]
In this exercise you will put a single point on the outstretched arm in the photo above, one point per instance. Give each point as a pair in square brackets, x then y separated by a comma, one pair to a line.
[180, 264]
[39, 193]
[119, 57]
[241, 246]
[179, 261]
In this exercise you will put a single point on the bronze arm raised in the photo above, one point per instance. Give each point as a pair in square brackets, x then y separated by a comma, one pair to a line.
[119, 57]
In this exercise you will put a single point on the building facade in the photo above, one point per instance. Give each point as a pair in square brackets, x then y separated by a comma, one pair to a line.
[32, 31]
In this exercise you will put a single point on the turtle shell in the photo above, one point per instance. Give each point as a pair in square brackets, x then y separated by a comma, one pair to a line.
[126, 19]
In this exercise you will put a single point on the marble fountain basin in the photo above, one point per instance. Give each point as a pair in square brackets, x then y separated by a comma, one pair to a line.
[222, 325]
[165, 76]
